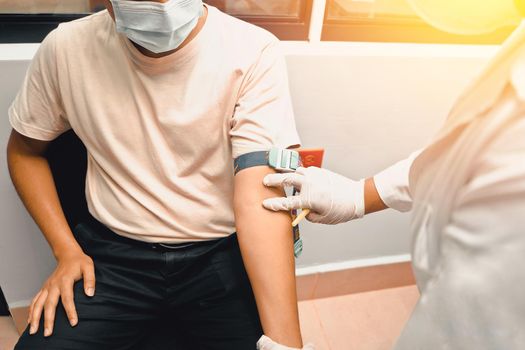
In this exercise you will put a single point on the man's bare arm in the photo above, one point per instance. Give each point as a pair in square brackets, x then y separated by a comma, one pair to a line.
[33, 180]
[34, 183]
[266, 243]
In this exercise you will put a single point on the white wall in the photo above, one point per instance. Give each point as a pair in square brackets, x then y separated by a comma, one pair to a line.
[367, 104]
[370, 105]
[25, 258]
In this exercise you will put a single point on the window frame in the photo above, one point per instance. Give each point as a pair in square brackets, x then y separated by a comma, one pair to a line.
[286, 28]
[30, 28]
[400, 30]
[33, 28]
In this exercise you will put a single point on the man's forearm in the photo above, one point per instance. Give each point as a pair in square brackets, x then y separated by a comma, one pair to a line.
[34, 183]
[266, 244]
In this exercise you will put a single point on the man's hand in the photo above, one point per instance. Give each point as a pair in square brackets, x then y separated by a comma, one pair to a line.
[332, 198]
[70, 269]
[266, 343]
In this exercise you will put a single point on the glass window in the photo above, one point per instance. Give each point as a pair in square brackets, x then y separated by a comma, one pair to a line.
[389, 21]
[31, 20]
[350, 9]
[268, 8]
[44, 6]
[287, 19]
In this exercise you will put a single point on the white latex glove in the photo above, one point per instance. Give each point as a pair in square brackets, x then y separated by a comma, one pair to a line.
[266, 343]
[332, 198]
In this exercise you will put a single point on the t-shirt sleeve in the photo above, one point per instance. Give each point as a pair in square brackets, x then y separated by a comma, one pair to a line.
[263, 116]
[37, 109]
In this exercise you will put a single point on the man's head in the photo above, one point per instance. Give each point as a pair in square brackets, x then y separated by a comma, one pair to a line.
[470, 17]
[159, 26]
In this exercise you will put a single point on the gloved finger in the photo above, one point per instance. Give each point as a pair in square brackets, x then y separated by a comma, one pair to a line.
[288, 179]
[283, 203]
[301, 171]
[266, 343]
[316, 218]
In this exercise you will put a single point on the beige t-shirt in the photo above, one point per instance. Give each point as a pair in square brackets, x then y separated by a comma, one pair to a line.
[161, 133]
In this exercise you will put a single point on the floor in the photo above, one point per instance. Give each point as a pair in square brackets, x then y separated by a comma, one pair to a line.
[8, 333]
[362, 321]
[359, 321]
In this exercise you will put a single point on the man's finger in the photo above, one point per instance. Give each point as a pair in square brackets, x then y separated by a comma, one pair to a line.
[283, 203]
[88, 273]
[37, 312]
[50, 307]
[67, 297]
[280, 180]
[31, 307]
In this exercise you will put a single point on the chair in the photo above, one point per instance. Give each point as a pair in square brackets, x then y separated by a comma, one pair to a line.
[67, 157]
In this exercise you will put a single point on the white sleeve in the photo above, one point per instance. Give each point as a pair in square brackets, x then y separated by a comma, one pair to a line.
[393, 184]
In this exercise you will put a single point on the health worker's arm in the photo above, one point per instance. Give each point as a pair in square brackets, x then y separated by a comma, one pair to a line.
[390, 188]
[266, 243]
[334, 199]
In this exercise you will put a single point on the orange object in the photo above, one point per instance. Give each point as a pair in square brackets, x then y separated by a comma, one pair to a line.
[311, 157]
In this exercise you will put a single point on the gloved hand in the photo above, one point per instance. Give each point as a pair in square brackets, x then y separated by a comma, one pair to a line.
[266, 343]
[332, 198]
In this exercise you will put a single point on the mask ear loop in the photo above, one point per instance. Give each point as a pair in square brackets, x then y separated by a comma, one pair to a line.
[520, 5]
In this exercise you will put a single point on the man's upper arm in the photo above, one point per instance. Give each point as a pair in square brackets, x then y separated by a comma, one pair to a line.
[21, 144]
[37, 109]
[263, 117]
[249, 188]
[248, 197]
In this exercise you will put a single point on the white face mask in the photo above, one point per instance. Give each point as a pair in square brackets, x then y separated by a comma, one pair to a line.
[158, 27]
[469, 16]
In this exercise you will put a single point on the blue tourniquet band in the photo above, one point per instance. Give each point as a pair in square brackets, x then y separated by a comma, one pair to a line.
[250, 160]
[280, 159]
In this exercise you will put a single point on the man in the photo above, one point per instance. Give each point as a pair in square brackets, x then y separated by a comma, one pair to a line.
[164, 95]
[467, 189]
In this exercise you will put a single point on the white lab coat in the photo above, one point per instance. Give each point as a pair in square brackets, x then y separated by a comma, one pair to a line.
[467, 189]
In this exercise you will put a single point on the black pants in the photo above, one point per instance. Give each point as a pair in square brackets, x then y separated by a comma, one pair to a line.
[153, 297]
